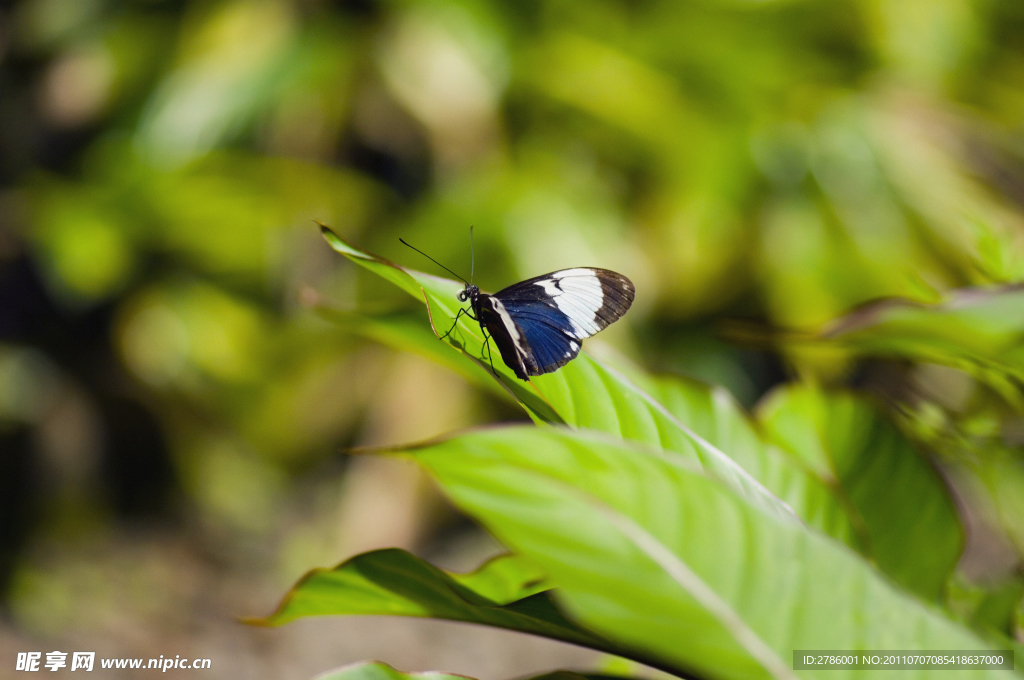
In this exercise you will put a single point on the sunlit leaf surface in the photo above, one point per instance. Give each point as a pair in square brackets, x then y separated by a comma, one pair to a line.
[663, 557]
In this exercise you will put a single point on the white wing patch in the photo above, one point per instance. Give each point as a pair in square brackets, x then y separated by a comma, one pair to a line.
[510, 325]
[577, 294]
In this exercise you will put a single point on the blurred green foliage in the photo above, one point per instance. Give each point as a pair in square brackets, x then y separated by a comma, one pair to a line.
[772, 163]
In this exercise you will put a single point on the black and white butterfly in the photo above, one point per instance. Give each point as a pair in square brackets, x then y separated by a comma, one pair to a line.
[539, 324]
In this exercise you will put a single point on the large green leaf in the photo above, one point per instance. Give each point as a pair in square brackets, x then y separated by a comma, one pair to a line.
[714, 415]
[711, 412]
[654, 553]
[506, 592]
[977, 330]
[898, 500]
[588, 393]
[584, 393]
[710, 415]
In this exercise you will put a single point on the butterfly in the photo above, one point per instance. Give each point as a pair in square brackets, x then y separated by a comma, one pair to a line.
[539, 324]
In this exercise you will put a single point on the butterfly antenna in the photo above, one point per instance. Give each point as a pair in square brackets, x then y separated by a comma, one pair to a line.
[472, 255]
[434, 261]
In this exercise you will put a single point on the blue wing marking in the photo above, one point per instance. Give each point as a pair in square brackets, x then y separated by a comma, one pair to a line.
[549, 333]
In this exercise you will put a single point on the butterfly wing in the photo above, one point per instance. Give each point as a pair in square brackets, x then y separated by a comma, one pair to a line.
[554, 312]
[508, 336]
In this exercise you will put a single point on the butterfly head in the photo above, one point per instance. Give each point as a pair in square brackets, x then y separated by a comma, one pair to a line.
[470, 292]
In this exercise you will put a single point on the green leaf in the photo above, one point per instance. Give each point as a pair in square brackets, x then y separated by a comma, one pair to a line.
[988, 607]
[976, 330]
[706, 426]
[587, 393]
[714, 415]
[652, 552]
[711, 412]
[900, 504]
[375, 670]
[584, 393]
[691, 418]
[1001, 472]
[506, 592]
[407, 333]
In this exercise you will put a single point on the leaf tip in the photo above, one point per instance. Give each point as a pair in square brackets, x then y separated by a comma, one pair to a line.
[325, 230]
[258, 621]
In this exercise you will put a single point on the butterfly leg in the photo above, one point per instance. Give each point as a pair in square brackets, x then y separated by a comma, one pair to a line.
[455, 323]
[487, 346]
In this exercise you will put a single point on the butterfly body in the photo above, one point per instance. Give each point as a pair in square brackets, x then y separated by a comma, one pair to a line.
[539, 324]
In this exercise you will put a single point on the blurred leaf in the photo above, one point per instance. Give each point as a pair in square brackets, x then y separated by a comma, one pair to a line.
[928, 152]
[1001, 471]
[616, 88]
[375, 670]
[924, 41]
[573, 675]
[232, 487]
[976, 330]
[584, 393]
[250, 199]
[85, 246]
[506, 592]
[988, 608]
[651, 552]
[229, 64]
[189, 334]
[899, 503]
